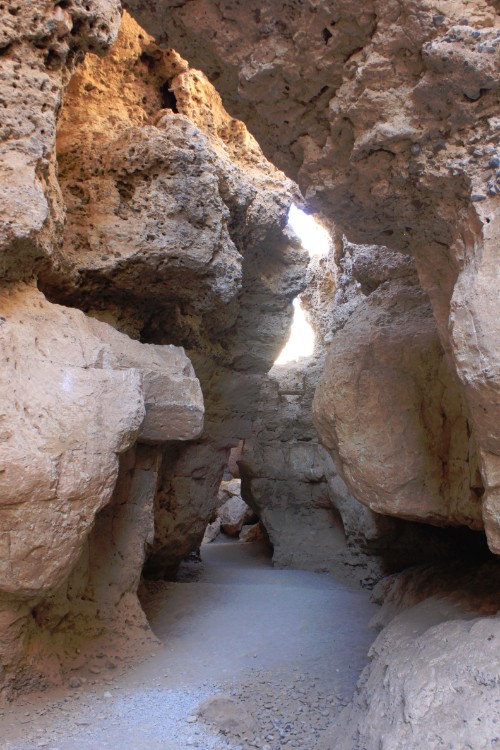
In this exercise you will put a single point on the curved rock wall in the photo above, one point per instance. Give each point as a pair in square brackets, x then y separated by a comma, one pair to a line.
[159, 215]
[388, 407]
[76, 397]
[375, 392]
[387, 116]
[174, 233]
[402, 150]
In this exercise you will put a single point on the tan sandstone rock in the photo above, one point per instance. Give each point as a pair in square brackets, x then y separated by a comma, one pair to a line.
[433, 677]
[233, 513]
[389, 119]
[389, 409]
[175, 234]
[40, 43]
[75, 395]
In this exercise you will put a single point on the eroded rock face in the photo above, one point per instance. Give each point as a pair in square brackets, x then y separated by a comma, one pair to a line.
[40, 44]
[174, 233]
[283, 473]
[143, 134]
[63, 431]
[388, 407]
[76, 395]
[314, 520]
[166, 220]
[388, 118]
[416, 693]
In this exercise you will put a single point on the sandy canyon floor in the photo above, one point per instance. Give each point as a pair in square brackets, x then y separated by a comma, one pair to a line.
[282, 650]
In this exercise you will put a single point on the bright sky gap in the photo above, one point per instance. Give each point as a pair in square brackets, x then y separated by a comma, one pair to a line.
[316, 241]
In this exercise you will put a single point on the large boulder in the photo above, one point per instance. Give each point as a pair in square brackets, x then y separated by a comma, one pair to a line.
[76, 396]
[433, 677]
[389, 409]
[233, 513]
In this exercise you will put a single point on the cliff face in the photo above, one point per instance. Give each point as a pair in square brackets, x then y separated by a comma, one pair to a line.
[77, 396]
[157, 213]
[388, 407]
[388, 411]
[41, 43]
[388, 119]
[174, 232]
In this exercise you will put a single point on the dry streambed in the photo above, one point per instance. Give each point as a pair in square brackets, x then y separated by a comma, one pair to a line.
[249, 657]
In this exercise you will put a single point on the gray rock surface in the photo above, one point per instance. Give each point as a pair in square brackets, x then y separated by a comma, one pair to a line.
[233, 513]
[434, 675]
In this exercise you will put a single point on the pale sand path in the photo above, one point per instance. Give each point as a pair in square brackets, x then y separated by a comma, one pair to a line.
[289, 644]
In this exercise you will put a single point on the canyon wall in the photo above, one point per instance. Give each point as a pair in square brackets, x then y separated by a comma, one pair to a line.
[388, 121]
[85, 410]
[156, 214]
[365, 303]
[388, 118]
[174, 233]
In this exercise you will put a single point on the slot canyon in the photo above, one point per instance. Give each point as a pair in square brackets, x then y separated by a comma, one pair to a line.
[207, 539]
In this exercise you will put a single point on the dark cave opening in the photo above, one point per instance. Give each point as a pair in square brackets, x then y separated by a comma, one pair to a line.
[168, 99]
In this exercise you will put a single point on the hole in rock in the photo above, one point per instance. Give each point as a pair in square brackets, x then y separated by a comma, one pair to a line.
[301, 340]
[168, 99]
[316, 240]
[327, 34]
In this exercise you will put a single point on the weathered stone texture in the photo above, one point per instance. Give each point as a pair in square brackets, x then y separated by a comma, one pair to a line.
[175, 234]
[387, 406]
[389, 120]
[433, 677]
[40, 42]
[76, 394]
[283, 472]
[313, 519]
[163, 218]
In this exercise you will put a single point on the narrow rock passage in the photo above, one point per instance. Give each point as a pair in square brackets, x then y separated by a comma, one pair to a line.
[286, 646]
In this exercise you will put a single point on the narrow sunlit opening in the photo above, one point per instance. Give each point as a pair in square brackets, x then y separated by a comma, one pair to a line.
[317, 242]
[314, 238]
[301, 341]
